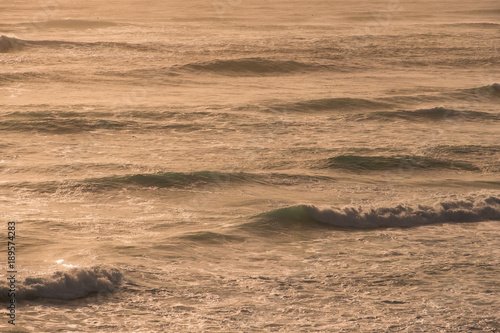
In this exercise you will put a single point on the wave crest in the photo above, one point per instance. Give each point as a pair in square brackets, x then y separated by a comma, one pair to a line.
[9, 44]
[468, 210]
[73, 284]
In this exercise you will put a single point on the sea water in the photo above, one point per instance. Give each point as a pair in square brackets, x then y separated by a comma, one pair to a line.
[251, 165]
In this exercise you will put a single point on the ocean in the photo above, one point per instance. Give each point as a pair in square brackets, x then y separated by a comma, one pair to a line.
[250, 166]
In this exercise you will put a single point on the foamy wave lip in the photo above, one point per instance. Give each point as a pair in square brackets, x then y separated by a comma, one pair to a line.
[67, 285]
[469, 210]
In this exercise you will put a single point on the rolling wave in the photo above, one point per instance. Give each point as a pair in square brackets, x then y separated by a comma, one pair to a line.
[468, 210]
[381, 163]
[66, 24]
[178, 180]
[67, 125]
[482, 25]
[68, 285]
[488, 93]
[434, 114]
[68, 122]
[330, 104]
[71, 24]
[141, 180]
[10, 44]
[468, 149]
[484, 93]
[249, 66]
[208, 237]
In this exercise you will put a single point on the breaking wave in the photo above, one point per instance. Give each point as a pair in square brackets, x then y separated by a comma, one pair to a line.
[467, 210]
[67, 285]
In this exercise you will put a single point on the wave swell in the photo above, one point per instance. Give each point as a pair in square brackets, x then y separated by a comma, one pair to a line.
[330, 104]
[249, 66]
[178, 180]
[482, 94]
[468, 210]
[9, 44]
[73, 284]
[434, 114]
[379, 163]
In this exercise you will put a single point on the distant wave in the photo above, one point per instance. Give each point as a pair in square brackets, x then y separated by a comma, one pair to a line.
[468, 149]
[483, 93]
[9, 78]
[67, 285]
[142, 180]
[68, 24]
[55, 125]
[379, 163]
[208, 237]
[72, 24]
[60, 122]
[167, 179]
[10, 44]
[249, 66]
[178, 180]
[487, 25]
[327, 104]
[467, 210]
[434, 114]
[488, 93]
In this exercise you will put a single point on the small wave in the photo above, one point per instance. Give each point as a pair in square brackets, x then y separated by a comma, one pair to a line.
[434, 114]
[249, 66]
[483, 93]
[56, 125]
[467, 210]
[379, 163]
[328, 104]
[70, 24]
[483, 25]
[144, 180]
[207, 237]
[10, 44]
[63, 122]
[167, 179]
[18, 44]
[67, 285]
[176, 180]
[467, 149]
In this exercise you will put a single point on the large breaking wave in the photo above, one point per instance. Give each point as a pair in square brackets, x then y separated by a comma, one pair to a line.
[466, 210]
